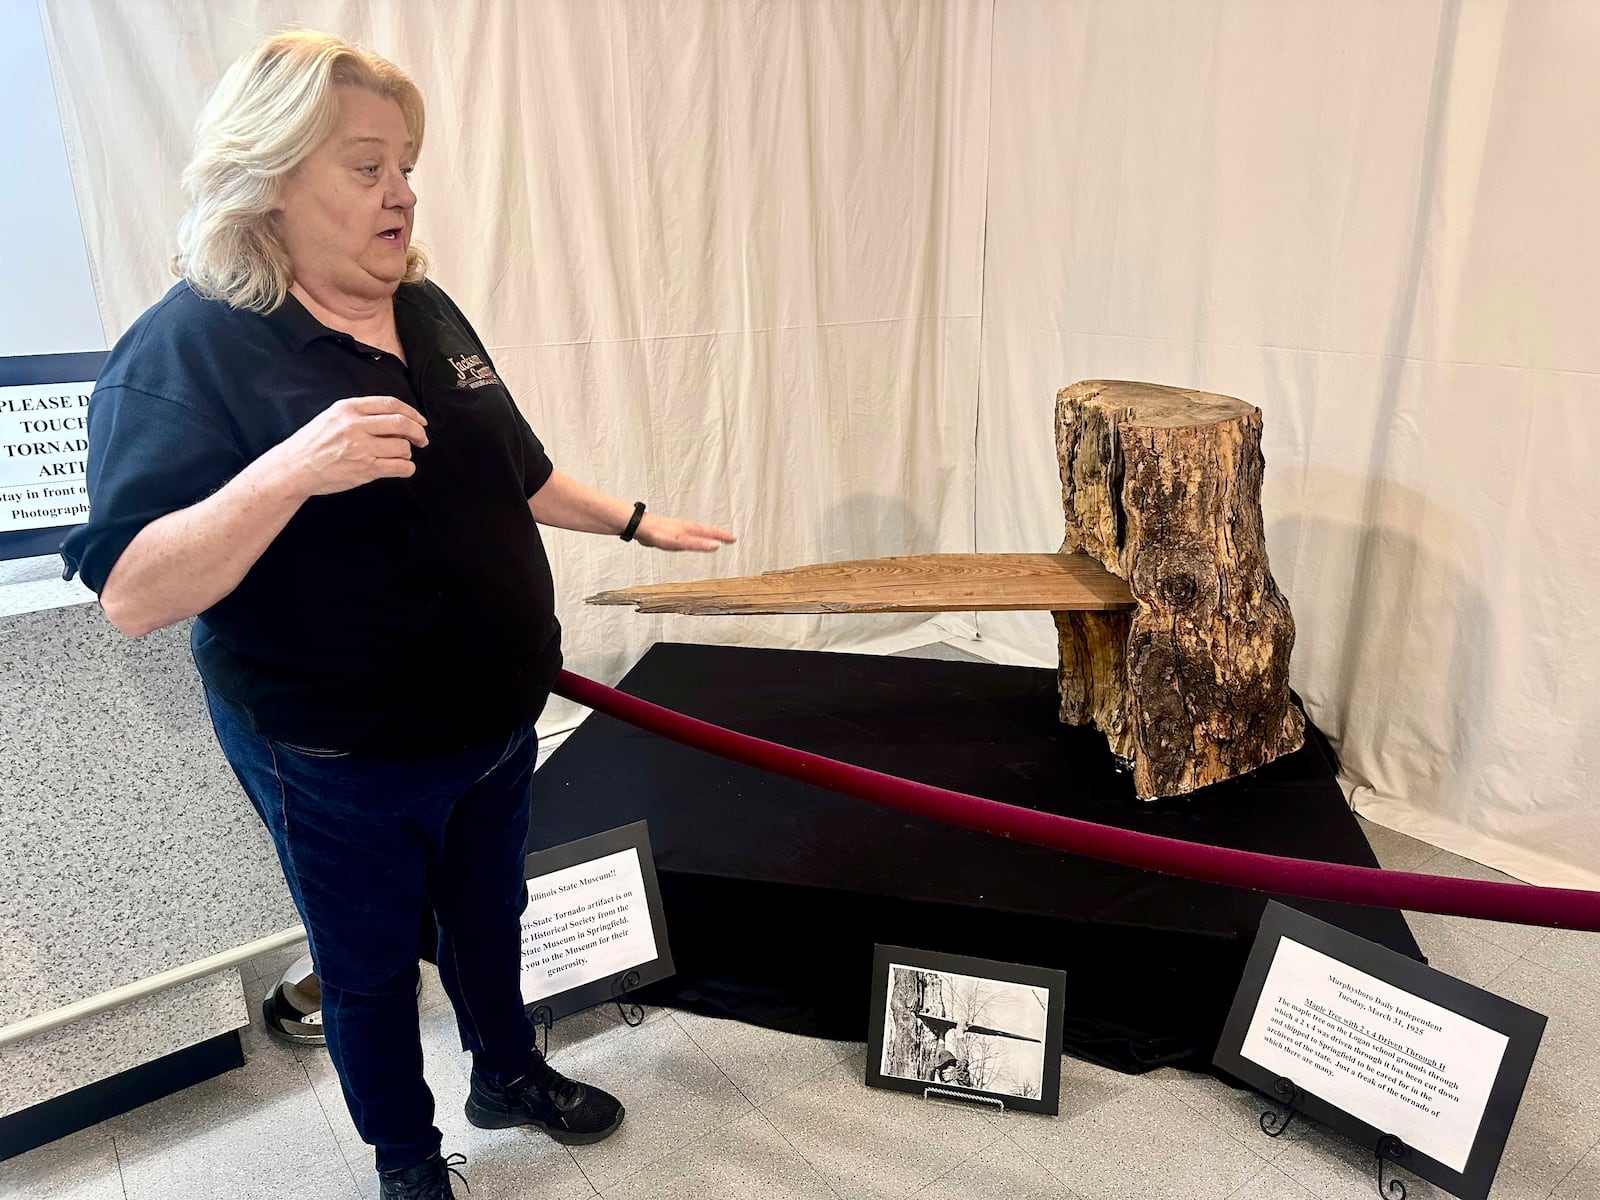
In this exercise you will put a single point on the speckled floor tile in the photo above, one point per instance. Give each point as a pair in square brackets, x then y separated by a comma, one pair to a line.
[763, 1063]
[1569, 952]
[1137, 1142]
[748, 1158]
[1456, 946]
[1395, 851]
[1571, 1044]
[1236, 1112]
[1583, 1181]
[1000, 1171]
[257, 1133]
[674, 1095]
[1557, 1124]
[871, 1142]
[1332, 1167]
[1272, 1184]
[82, 1166]
[511, 1163]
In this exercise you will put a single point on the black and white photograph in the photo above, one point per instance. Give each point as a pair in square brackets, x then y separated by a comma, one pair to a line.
[966, 1025]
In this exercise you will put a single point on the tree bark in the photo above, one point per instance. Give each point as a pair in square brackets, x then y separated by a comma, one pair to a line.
[1163, 487]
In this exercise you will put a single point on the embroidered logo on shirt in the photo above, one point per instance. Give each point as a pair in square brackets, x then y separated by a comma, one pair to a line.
[472, 371]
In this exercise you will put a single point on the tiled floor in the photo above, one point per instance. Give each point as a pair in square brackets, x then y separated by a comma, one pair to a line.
[718, 1109]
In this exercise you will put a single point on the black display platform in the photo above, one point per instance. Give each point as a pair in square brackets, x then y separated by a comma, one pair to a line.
[775, 892]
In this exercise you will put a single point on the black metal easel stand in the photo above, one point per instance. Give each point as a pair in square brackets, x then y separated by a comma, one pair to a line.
[543, 1018]
[1390, 1149]
[629, 1009]
[932, 1092]
[1276, 1122]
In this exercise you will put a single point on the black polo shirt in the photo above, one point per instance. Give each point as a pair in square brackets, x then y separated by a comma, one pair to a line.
[406, 616]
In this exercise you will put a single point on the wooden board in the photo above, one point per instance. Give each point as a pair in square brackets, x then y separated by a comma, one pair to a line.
[913, 583]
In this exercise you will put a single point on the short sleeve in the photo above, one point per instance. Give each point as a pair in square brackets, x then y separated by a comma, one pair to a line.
[536, 465]
[148, 456]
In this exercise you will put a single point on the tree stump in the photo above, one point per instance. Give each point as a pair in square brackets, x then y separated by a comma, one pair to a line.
[1174, 639]
[1162, 486]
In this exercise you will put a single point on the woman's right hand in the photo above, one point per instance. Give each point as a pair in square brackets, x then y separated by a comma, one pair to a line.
[183, 563]
[351, 443]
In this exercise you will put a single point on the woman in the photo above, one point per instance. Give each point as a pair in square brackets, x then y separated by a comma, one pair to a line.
[305, 446]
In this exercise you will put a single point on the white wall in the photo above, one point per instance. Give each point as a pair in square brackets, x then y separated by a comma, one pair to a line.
[47, 300]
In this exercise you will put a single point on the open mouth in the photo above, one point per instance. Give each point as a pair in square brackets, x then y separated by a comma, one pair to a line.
[391, 235]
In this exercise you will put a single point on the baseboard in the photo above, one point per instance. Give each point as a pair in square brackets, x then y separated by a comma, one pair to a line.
[52, 1119]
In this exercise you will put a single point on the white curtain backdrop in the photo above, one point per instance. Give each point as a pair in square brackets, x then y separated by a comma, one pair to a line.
[816, 270]
[1378, 220]
[727, 256]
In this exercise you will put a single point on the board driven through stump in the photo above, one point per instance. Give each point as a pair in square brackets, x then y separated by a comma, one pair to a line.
[1174, 639]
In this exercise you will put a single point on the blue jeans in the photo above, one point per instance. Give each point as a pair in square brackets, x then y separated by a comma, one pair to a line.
[364, 842]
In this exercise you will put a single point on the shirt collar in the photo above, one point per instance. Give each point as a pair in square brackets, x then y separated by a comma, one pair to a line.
[294, 323]
[298, 328]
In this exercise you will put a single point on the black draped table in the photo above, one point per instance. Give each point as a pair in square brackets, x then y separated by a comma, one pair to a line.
[775, 892]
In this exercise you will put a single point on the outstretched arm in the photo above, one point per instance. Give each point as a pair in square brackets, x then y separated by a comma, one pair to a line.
[564, 503]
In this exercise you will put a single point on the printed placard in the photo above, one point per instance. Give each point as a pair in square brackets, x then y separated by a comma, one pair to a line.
[44, 447]
[593, 916]
[1378, 1044]
[584, 923]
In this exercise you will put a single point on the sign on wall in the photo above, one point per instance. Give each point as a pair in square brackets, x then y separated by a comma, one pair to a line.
[44, 443]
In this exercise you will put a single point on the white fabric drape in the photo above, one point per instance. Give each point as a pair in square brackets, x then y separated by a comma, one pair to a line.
[727, 257]
[1378, 222]
[733, 259]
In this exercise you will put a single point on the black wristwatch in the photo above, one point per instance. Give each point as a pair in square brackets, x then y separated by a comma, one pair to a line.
[633, 525]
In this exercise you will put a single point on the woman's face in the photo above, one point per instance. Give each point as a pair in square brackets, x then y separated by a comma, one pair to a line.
[344, 214]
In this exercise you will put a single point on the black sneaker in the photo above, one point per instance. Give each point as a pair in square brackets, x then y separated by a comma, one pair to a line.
[572, 1113]
[428, 1180]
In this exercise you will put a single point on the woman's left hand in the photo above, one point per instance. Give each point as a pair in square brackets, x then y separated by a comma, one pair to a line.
[674, 533]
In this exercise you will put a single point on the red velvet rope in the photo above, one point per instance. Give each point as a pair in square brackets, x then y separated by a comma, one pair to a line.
[1524, 904]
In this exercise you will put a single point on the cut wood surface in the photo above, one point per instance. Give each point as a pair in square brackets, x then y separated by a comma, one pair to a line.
[1163, 486]
[913, 583]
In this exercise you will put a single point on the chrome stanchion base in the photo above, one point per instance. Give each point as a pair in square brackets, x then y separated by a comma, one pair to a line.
[293, 1009]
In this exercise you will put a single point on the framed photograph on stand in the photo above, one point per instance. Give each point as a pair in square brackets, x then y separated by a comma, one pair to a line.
[950, 1027]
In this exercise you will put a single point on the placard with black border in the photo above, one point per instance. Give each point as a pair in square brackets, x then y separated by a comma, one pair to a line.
[1367, 1040]
[24, 491]
[932, 1030]
[577, 918]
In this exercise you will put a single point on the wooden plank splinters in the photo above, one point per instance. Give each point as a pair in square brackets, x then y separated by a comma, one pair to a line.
[912, 583]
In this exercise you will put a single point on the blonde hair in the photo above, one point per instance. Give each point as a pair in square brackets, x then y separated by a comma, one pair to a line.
[270, 110]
